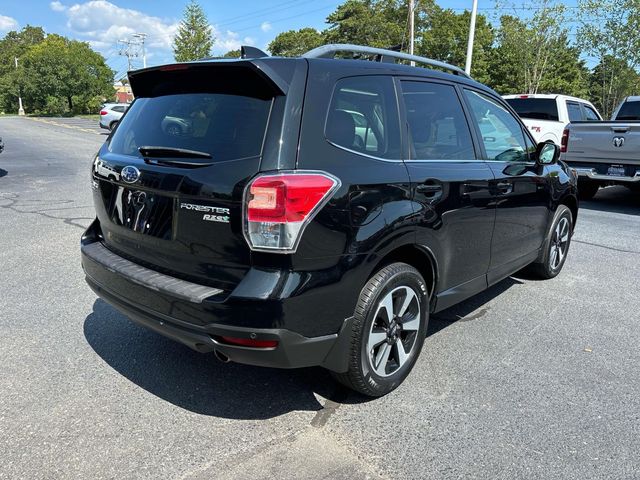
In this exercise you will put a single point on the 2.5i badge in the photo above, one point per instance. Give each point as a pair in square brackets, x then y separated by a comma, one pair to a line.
[211, 214]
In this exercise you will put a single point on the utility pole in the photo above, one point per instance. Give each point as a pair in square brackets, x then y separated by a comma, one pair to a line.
[20, 109]
[412, 9]
[472, 34]
[125, 51]
[133, 48]
[142, 36]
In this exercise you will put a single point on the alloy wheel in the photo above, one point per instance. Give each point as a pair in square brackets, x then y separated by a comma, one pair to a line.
[559, 243]
[394, 330]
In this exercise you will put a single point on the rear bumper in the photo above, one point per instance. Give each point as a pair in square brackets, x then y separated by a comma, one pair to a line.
[598, 172]
[159, 302]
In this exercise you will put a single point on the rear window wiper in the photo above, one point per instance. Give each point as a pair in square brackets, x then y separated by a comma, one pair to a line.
[171, 152]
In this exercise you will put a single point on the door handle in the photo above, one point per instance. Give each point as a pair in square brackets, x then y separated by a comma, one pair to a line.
[620, 129]
[504, 188]
[430, 190]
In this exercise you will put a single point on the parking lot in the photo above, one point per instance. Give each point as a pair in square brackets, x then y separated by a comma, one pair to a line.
[529, 379]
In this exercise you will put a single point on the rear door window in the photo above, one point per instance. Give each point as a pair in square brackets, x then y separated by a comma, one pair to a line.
[629, 111]
[438, 129]
[590, 113]
[363, 117]
[575, 114]
[501, 132]
[224, 126]
[535, 108]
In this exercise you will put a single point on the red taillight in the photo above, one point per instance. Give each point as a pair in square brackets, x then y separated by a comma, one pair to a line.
[278, 207]
[248, 342]
[103, 112]
[523, 96]
[564, 143]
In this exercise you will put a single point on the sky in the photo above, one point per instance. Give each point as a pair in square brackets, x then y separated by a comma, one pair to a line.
[103, 22]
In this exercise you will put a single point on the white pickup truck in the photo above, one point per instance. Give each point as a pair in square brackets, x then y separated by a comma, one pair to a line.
[605, 153]
[546, 115]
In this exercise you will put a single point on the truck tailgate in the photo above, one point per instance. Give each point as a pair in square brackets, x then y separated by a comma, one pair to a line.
[604, 142]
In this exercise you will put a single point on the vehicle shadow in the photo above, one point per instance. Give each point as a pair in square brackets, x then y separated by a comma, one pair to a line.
[199, 383]
[3, 172]
[463, 311]
[616, 199]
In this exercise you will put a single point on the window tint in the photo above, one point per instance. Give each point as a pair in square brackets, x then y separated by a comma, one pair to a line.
[536, 108]
[575, 115]
[629, 111]
[437, 126]
[590, 113]
[225, 126]
[363, 117]
[531, 148]
[501, 133]
[118, 108]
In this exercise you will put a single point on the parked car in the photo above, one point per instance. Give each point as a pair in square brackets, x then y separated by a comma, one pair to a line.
[546, 116]
[111, 113]
[301, 224]
[605, 153]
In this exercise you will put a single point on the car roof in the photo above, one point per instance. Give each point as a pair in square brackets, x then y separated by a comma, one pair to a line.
[334, 66]
[633, 98]
[545, 95]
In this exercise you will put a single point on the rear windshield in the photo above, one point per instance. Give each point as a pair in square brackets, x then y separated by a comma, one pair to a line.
[225, 126]
[536, 108]
[629, 111]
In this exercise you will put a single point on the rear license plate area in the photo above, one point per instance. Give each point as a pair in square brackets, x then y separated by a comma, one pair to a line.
[143, 212]
[616, 171]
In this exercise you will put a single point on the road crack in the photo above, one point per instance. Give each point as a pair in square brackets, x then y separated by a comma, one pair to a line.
[14, 205]
[621, 250]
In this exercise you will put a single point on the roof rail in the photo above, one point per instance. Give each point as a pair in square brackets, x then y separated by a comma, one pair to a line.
[329, 51]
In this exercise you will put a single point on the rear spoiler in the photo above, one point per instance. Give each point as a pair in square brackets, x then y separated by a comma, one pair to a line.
[249, 77]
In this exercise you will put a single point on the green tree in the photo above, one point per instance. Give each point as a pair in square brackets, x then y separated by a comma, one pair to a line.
[611, 81]
[610, 32]
[59, 73]
[195, 38]
[377, 23]
[14, 45]
[446, 40]
[232, 54]
[294, 43]
[534, 55]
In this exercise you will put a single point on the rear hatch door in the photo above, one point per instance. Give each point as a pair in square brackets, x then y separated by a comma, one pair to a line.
[169, 183]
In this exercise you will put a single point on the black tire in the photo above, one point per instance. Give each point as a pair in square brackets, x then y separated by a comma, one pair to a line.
[587, 189]
[546, 267]
[395, 281]
[112, 125]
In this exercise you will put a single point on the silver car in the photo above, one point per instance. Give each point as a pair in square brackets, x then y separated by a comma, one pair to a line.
[111, 113]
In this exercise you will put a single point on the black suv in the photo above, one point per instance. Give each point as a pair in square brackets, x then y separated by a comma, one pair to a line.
[315, 210]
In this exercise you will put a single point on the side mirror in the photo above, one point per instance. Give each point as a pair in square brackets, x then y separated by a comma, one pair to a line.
[547, 153]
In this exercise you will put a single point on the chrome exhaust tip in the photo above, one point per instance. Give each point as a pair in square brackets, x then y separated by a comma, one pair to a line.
[221, 356]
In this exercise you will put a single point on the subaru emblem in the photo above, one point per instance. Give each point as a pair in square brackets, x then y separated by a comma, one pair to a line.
[130, 174]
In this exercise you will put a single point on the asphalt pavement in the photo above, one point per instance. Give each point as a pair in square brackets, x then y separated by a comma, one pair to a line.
[530, 379]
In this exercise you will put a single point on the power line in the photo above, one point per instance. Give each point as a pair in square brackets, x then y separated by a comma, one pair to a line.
[284, 18]
[262, 12]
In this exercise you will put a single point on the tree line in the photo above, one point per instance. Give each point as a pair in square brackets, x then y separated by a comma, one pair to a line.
[53, 75]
